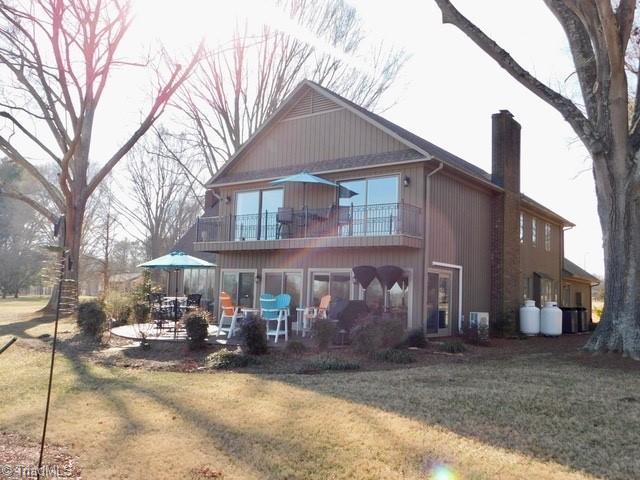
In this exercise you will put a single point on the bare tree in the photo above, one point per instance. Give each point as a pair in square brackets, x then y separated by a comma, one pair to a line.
[601, 33]
[163, 204]
[234, 90]
[56, 57]
[100, 229]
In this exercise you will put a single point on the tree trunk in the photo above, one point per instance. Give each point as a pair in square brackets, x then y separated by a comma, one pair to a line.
[619, 327]
[15, 295]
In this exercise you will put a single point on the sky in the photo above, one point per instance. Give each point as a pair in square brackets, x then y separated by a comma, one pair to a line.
[446, 93]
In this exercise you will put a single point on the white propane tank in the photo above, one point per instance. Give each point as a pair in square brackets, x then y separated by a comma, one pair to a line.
[530, 318]
[551, 320]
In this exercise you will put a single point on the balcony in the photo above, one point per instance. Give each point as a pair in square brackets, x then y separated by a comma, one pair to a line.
[392, 224]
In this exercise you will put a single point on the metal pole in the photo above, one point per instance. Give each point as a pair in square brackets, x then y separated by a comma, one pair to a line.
[8, 344]
[53, 356]
[175, 310]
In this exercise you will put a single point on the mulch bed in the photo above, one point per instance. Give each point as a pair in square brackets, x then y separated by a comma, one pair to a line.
[19, 459]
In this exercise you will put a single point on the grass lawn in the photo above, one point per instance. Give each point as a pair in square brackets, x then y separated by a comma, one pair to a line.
[535, 415]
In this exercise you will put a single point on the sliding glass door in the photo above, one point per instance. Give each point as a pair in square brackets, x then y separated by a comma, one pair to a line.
[256, 214]
[374, 207]
[240, 286]
[337, 284]
[276, 282]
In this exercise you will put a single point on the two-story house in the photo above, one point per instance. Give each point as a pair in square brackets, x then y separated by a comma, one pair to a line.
[466, 240]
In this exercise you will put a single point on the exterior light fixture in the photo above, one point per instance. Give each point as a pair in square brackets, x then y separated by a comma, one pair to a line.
[406, 181]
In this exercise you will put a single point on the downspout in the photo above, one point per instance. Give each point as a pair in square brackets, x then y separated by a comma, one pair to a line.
[427, 222]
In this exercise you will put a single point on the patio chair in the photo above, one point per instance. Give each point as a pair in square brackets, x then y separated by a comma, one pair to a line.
[230, 314]
[193, 301]
[323, 308]
[157, 310]
[279, 314]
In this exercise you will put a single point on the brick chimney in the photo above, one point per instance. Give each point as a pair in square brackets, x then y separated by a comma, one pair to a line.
[506, 278]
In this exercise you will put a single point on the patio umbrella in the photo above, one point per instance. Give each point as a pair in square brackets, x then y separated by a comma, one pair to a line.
[306, 177]
[176, 261]
[364, 275]
[389, 275]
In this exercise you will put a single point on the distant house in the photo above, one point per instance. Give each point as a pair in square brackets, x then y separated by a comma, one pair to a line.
[576, 286]
[125, 282]
[467, 240]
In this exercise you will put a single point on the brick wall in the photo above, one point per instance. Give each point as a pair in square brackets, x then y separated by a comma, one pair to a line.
[506, 277]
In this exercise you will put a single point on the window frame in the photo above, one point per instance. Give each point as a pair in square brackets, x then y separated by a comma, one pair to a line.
[534, 232]
[547, 237]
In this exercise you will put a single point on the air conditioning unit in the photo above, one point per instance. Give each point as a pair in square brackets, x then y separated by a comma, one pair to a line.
[478, 330]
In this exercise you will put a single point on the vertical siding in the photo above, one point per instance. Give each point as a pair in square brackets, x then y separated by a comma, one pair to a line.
[324, 136]
[460, 234]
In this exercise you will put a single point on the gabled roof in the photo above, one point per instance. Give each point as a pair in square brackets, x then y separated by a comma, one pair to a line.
[570, 269]
[427, 149]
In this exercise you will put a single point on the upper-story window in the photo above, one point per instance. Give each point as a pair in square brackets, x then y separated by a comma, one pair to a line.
[371, 191]
[547, 237]
[373, 210]
[534, 232]
[521, 227]
[256, 214]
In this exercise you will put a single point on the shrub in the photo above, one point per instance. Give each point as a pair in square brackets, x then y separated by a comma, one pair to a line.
[254, 333]
[141, 312]
[92, 319]
[295, 348]
[377, 333]
[323, 333]
[394, 355]
[329, 362]
[453, 346]
[117, 306]
[226, 359]
[415, 338]
[197, 325]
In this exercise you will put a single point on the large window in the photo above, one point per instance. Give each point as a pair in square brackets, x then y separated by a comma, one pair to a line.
[336, 284]
[374, 207]
[547, 237]
[240, 285]
[256, 214]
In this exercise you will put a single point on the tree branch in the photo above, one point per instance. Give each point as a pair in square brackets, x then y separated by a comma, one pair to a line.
[572, 114]
[37, 206]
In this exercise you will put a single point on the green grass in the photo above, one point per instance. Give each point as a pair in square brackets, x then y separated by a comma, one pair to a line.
[532, 416]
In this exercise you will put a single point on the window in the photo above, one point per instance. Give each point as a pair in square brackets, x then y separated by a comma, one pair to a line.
[521, 227]
[240, 286]
[374, 207]
[276, 282]
[534, 232]
[336, 284]
[256, 214]
[199, 280]
[547, 291]
[547, 237]
[578, 299]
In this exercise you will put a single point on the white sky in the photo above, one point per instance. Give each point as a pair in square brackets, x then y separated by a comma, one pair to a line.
[446, 93]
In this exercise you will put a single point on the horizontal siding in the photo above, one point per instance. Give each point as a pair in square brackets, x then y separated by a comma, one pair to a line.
[460, 234]
[325, 136]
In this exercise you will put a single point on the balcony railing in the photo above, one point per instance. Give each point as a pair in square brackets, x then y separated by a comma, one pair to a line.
[342, 221]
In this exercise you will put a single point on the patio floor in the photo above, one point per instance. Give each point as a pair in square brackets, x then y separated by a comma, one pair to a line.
[133, 332]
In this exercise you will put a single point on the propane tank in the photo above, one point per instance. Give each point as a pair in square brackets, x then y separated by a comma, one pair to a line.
[530, 318]
[551, 320]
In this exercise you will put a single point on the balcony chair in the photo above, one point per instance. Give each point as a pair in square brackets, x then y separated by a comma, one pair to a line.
[279, 313]
[284, 218]
[230, 314]
[193, 301]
